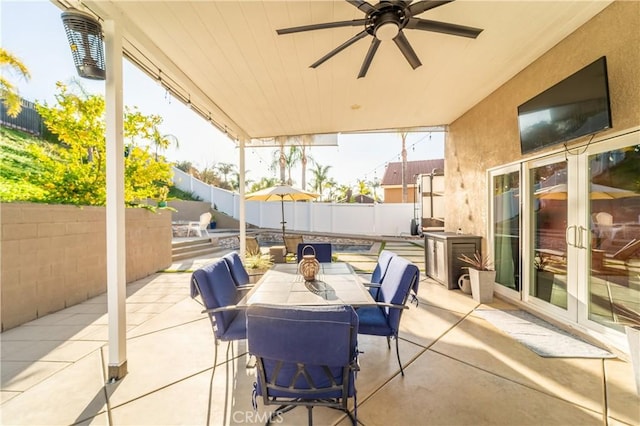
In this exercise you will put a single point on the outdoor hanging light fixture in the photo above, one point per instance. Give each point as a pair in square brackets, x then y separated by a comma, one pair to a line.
[84, 34]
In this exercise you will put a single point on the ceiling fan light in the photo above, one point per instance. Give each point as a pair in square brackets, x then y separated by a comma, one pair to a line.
[387, 31]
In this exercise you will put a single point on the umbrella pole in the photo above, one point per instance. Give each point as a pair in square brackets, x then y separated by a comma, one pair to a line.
[283, 222]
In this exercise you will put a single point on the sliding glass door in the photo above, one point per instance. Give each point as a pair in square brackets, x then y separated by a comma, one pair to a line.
[505, 231]
[548, 217]
[565, 233]
[613, 243]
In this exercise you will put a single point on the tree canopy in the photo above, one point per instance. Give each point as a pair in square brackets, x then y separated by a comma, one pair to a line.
[74, 170]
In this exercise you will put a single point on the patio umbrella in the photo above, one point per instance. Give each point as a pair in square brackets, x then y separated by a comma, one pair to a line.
[281, 193]
[598, 192]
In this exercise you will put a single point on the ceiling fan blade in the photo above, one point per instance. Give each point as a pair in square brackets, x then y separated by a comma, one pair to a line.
[362, 5]
[443, 27]
[406, 49]
[422, 6]
[367, 59]
[340, 48]
[337, 24]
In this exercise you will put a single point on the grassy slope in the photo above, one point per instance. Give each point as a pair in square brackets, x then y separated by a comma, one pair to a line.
[17, 163]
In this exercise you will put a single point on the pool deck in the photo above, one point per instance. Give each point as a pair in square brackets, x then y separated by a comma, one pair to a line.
[460, 370]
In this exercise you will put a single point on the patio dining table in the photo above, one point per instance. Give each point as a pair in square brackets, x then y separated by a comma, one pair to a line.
[335, 284]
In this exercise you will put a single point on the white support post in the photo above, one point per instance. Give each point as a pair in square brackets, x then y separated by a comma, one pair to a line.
[242, 203]
[116, 259]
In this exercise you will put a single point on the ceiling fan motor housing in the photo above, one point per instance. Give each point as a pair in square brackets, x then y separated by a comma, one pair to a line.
[386, 20]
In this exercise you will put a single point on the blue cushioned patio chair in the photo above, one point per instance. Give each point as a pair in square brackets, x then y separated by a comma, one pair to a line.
[402, 277]
[219, 295]
[305, 356]
[238, 272]
[379, 273]
[322, 251]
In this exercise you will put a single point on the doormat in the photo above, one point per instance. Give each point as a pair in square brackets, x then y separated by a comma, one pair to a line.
[541, 337]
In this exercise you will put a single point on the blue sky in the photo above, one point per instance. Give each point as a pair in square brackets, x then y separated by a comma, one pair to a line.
[33, 31]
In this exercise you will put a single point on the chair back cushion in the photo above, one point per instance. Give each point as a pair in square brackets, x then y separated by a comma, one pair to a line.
[252, 246]
[216, 287]
[381, 267]
[291, 243]
[238, 272]
[205, 219]
[322, 250]
[296, 347]
[402, 276]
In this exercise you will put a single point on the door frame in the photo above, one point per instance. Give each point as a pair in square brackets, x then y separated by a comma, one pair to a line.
[491, 174]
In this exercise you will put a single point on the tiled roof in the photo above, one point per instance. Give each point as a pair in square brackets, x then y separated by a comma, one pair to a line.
[392, 175]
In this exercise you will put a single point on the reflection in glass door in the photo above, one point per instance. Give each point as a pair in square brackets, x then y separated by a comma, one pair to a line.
[614, 207]
[549, 224]
[506, 229]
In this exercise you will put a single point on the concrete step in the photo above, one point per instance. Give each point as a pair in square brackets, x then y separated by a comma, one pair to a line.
[194, 253]
[192, 248]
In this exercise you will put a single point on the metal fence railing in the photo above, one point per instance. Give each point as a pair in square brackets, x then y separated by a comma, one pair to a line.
[29, 120]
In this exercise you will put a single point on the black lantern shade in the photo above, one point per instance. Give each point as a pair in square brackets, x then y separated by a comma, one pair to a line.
[84, 34]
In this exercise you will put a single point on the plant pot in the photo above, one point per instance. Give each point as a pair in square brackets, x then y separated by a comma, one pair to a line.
[255, 274]
[633, 337]
[544, 285]
[464, 282]
[212, 225]
[482, 285]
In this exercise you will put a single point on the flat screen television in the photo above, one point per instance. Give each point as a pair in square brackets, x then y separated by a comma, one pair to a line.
[575, 107]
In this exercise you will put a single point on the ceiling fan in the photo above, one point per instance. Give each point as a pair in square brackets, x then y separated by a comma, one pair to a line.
[386, 21]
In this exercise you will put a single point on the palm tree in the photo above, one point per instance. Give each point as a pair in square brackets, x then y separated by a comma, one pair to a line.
[344, 193]
[225, 169]
[209, 175]
[331, 185]
[363, 188]
[304, 159]
[320, 176]
[265, 182]
[235, 180]
[375, 184]
[163, 142]
[186, 166]
[285, 162]
[8, 93]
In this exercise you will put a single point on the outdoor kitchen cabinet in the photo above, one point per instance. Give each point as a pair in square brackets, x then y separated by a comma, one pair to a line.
[441, 252]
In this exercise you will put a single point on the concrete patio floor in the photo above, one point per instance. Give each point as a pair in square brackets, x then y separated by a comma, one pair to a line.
[460, 370]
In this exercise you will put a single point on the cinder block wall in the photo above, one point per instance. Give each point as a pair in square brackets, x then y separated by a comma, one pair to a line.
[54, 256]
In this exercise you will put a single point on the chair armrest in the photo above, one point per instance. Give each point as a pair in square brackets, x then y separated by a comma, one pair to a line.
[372, 285]
[223, 309]
[390, 305]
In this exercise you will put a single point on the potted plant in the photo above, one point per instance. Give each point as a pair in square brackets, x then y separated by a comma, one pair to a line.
[482, 277]
[544, 279]
[257, 264]
[162, 196]
[213, 223]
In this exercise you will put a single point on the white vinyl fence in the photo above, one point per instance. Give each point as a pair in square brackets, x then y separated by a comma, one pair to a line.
[334, 218]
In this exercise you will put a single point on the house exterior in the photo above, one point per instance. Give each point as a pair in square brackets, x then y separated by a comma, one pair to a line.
[496, 190]
[392, 180]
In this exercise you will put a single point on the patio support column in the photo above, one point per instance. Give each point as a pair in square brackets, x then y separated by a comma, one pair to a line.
[242, 203]
[116, 250]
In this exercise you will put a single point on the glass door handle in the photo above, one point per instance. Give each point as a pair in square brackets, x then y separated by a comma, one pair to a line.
[569, 242]
[581, 233]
